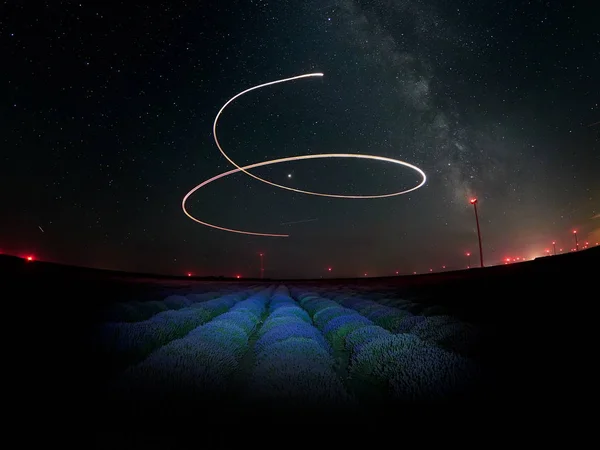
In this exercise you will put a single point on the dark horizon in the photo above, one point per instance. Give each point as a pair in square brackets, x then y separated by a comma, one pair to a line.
[12, 263]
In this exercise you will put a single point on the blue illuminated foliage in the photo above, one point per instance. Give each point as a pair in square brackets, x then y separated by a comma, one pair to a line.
[338, 328]
[409, 369]
[243, 318]
[287, 310]
[357, 338]
[274, 322]
[407, 323]
[290, 330]
[133, 341]
[297, 371]
[293, 362]
[322, 317]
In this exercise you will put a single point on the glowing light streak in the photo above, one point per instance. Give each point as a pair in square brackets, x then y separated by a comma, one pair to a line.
[245, 169]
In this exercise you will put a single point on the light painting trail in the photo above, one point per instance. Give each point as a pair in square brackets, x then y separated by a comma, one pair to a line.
[245, 169]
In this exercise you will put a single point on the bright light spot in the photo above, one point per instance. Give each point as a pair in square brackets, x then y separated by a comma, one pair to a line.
[237, 276]
[473, 201]
[431, 270]
[574, 231]
[29, 258]
[289, 175]
[396, 272]
[329, 269]
[443, 267]
[553, 242]
[189, 274]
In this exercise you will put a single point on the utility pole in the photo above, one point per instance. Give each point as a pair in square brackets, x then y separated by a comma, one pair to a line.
[474, 203]
[262, 267]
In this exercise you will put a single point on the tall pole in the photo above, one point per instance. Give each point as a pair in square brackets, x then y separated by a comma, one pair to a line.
[468, 260]
[262, 267]
[474, 203]
[554, 246]
[576, 241]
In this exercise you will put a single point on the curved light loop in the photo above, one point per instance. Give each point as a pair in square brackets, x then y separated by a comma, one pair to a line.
[244, 169]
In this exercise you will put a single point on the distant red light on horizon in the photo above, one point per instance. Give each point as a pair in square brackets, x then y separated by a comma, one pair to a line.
[189, 274]
[29, 258]
[237, 276]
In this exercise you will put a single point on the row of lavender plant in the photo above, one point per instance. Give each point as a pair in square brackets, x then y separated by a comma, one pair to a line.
[294, 363]
[128, 342]
[386, 365]
[136, 311]
[201, 363]
[444, 330]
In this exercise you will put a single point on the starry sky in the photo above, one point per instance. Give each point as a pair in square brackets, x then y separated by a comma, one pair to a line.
[106, 123]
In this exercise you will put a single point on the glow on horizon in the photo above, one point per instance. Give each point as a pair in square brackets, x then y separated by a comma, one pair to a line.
[244, 169]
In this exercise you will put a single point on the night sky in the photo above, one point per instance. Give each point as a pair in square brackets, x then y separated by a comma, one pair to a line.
[106, 123]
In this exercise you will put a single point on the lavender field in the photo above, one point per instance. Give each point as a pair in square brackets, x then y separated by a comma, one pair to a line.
[284, 347]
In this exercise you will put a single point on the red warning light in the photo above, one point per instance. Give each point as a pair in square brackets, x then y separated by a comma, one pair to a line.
[237, 276]
[473, 201]
[29, 258]
[189, 274]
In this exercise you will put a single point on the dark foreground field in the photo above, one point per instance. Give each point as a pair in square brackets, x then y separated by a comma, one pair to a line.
[108, 353]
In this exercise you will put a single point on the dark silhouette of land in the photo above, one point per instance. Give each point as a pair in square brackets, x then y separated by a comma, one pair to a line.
[538, 346]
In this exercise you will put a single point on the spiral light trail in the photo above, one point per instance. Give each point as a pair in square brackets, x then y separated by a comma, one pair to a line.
[244, 169]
